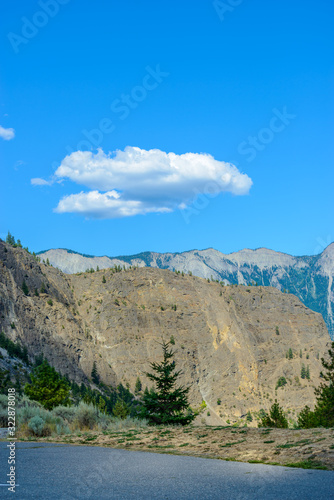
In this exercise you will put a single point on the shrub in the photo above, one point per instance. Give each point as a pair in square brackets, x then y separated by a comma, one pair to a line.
[127, 423]
[3, 417]
[65, 412]
[281, 382]
[87, 416]
[3, 401]
[26, 413]
[38, 427]
[62, 429]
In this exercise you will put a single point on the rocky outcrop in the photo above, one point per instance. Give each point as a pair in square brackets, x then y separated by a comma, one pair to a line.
[231, 341]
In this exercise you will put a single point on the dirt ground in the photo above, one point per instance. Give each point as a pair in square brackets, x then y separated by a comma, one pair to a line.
[307, 448]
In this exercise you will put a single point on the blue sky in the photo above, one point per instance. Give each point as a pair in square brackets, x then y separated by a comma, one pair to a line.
[249, 83]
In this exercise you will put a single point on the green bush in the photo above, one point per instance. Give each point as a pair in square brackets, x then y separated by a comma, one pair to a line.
[3, 417]
[87, 416]
[38, 427]
[281, 382]
[118, 424]
[26, 413]
[65, 412]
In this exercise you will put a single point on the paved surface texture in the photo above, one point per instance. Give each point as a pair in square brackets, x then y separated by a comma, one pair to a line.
[67, 472]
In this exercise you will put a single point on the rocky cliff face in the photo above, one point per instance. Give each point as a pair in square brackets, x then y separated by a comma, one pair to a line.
[310, 278]
[231, 341]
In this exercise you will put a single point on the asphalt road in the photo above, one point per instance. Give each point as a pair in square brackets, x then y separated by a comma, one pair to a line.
[51, 471]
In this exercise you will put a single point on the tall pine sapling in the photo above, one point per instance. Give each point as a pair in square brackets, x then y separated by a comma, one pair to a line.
[167, 403]
[95, 376]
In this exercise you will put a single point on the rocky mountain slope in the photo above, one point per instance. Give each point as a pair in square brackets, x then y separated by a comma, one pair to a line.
[231, 341]
[310, 277]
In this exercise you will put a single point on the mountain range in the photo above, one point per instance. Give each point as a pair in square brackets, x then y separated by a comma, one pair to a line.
[238, 347]
[310, 278]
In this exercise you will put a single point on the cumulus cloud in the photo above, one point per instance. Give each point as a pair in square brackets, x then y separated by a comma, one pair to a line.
[7, 133]
[136, 181]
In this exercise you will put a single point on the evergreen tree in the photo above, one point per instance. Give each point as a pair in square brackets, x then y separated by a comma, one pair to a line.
[104, 279]
[25, 288]
[290, 353]
[47, 387]
[10, 239]
[95, 376]
[307, 419]
[325, 392]
[249, 417]
[276, 417]
[167, 404]
[303, 371]
[121, 409]
[307, 372]
[138, 386]
[102, 405]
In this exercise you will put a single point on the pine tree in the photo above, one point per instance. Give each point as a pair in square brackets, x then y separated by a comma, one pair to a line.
[10, 239]
[325, 392]
[303, 371]
[95, 376]
[138, 386]
[25, 288]
[104, 279]
[290, 353]
[276, 417]
[47, 387]
[167, 404]
[307, 372]
[102, 405]
[121, 409]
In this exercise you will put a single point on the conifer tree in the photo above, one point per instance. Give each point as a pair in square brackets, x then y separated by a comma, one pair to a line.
[303, 371]
[47, 386]
[138, 386]
[276, 417]
[10, 239]
[325, 392]
[25, 288]
[121, 409]
[95, 376]
[167, 404]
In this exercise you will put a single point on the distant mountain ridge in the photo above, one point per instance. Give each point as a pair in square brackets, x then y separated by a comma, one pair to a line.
[310, 278]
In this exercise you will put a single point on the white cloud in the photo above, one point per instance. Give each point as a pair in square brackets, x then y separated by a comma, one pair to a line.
[7, 133]
[136, 181]
[37, 181]
[105, 205]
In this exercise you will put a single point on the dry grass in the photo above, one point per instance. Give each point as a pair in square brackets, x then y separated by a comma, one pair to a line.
[308, 448]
